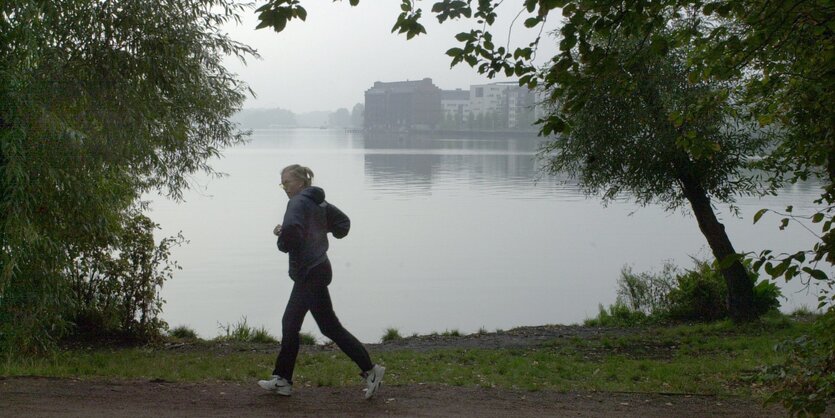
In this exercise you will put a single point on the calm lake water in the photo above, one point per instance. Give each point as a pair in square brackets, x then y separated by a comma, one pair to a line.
[447, 234]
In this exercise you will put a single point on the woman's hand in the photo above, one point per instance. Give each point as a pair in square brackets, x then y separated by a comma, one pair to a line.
[277, 230]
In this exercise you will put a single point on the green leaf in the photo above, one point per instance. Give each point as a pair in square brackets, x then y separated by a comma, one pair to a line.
[708, 9]
[568, 42]
[264, 23]
[454, 52]
[660, 45]
[780, 268]
[531, 22]
[759, 214]
[530, 5]
[816, 274]
[769, 269]
[677, 119]
[693, 77]
[817, 217]
[463, 37]
[765, 120]
[729, 261]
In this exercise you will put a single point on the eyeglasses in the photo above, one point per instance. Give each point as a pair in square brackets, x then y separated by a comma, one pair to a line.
[285, 183]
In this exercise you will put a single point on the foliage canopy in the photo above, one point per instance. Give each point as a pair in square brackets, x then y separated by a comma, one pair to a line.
[101, 101]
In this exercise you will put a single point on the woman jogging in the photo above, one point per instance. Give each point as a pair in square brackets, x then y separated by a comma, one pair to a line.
[303, 234]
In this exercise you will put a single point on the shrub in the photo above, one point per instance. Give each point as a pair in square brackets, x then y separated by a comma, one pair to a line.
[766, 296]
[114, 290]
[183, 332]
[306, 338]
[392, 334]
[699, 294]
[261, 335]
[805, 381]
[646, 292]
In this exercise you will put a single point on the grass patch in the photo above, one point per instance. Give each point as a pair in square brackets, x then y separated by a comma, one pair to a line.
[451, 333]
[617, 315]
[718, 358]
[242, 332]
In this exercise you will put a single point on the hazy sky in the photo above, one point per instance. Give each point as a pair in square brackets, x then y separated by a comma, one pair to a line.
[329, 60]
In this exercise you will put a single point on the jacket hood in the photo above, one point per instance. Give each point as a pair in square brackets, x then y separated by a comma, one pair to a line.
[316, 194]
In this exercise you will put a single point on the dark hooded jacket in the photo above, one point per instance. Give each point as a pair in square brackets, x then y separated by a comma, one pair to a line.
[304, 232]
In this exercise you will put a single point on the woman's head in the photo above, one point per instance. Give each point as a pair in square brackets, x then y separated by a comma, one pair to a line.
[295, 178]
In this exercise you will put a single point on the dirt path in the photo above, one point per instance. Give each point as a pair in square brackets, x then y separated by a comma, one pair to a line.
[45, 397]
[48, 397]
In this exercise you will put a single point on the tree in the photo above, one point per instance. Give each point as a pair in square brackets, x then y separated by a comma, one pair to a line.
[358, 115]
[340, 118]
[626, 136]
[101, 102]
[265, 118]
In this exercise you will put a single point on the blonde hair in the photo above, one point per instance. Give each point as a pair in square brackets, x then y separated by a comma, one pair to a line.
[304, 174]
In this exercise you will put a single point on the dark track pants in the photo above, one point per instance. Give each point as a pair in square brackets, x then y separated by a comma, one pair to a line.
[311, 294]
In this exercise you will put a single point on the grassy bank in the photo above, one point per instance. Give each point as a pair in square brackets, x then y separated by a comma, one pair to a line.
[718, 358]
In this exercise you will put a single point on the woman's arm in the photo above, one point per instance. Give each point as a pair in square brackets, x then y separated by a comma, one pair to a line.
[338, 222]
[292, 230]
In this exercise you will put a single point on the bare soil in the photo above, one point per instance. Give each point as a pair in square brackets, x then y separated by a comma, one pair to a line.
[38, 396]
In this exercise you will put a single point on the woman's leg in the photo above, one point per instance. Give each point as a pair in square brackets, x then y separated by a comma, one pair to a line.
[291, 325]
[322, 309]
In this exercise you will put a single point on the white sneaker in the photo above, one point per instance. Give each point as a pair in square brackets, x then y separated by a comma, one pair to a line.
[278, 385]
[373, 379]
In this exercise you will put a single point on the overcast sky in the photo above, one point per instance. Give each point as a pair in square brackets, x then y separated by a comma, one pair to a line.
[329, 60]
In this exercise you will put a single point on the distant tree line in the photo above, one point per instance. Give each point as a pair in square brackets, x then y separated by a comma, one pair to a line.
[265, 118]
[283, 118]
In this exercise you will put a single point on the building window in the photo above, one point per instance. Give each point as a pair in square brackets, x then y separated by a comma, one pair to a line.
[479, 92]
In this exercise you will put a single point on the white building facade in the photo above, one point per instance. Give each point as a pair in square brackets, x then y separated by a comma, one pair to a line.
[502, 105]
[456, 107]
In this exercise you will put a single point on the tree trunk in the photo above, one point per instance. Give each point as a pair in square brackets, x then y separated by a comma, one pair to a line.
[740, 287]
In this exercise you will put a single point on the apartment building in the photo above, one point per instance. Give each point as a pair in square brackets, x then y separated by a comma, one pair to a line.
[504, 105]
[403, 105]
[420, 105]
[456, 105]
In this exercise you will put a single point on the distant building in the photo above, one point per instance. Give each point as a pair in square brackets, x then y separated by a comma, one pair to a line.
[456, 105]
[501, 105]
[403, 105]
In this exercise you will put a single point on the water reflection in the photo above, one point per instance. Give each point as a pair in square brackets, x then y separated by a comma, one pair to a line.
[400, 165]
